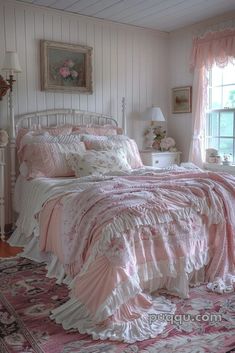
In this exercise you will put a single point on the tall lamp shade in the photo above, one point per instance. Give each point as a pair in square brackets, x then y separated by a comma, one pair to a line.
[11, 62]
[153, 114]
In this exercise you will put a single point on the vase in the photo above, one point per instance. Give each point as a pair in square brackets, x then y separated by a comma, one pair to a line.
[156, 145]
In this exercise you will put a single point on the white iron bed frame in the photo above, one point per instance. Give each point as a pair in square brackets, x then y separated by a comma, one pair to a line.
[51, 118]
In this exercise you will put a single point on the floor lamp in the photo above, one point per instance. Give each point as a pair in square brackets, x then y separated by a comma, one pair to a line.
[12, 66]
[3, 143]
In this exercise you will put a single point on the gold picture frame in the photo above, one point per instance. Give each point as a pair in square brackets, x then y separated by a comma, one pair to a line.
[65, 67]
[182, 100]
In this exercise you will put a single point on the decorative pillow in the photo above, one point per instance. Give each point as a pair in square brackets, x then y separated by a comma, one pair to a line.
[49, 159]
[54, 131]
[93, 142]
[43, 136]
[99, 130]
[112, 142]
[98, 162]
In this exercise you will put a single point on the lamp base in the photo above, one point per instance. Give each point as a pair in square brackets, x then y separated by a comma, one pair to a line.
[149, 138]
[11, 80]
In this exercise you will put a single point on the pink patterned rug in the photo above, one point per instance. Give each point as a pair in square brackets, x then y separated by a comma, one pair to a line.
[26, 298]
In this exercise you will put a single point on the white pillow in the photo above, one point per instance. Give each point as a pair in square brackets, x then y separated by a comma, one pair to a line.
[98, 162]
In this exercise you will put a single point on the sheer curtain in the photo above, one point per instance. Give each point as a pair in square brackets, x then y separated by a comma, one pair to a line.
[215, 48]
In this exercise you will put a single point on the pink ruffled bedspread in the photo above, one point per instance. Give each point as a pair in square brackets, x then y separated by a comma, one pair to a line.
[133, 235]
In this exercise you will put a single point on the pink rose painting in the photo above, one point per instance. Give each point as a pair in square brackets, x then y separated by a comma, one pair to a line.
[67, 71]
[66, 67]
[64, 72]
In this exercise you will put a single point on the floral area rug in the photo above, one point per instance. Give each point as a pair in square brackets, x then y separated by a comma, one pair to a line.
[27, 297]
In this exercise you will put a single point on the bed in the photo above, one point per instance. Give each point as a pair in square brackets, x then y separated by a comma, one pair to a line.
[118, 236]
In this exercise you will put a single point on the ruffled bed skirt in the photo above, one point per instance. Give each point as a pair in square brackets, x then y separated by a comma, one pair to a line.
[145, 306]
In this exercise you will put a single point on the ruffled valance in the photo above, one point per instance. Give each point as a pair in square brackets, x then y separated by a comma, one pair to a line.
[213, 48]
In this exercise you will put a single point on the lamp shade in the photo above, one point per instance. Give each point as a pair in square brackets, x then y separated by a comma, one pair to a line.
[153, 114]
[11, 62]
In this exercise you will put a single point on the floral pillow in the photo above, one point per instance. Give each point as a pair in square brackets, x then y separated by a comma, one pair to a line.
[98, 162]
[111, 143]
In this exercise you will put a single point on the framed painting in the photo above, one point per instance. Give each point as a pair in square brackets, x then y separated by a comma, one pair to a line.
[182, 99]
[65, 67]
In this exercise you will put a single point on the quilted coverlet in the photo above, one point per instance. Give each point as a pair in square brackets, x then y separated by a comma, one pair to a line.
[124, 239]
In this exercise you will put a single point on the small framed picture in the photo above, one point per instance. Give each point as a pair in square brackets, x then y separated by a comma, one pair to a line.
[65, 67]
[182, 99]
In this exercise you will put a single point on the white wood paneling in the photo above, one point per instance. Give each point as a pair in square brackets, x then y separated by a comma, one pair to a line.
[91, 43]
[114, 71]
[118, 8]
[61, 4]
[65, 37]
[98, 68]
[9, 23]
[57, 36]
[39, 34]
[82, 38]
[162, 15]
[93, 9]
[106, 67]
[80, 5]
[122, 63]
[48, 34]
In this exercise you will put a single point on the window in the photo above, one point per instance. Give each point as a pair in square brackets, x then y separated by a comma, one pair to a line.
[220, 124]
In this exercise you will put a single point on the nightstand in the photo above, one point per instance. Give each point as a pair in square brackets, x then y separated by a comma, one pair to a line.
[160, 159]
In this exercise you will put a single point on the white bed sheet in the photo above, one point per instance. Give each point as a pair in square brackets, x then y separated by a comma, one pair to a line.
[24, 189]
[30, 196]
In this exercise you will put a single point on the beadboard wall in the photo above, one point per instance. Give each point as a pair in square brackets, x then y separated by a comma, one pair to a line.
[128, 62]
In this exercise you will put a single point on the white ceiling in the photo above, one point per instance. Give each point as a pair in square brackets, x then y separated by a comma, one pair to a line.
[163, 15]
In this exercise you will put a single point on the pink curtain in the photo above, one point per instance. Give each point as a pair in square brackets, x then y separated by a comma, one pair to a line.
[216, 48]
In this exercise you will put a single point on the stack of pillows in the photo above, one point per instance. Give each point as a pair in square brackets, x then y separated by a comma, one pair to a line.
[75, 151]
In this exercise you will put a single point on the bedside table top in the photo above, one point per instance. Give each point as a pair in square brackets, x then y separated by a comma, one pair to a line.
[156, 151]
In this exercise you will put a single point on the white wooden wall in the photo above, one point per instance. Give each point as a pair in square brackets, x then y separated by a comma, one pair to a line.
[127, 62]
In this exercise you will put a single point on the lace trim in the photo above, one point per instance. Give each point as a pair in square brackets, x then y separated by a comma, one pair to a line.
[136, 330]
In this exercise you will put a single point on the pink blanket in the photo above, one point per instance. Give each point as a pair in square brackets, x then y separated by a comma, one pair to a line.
[134, 235]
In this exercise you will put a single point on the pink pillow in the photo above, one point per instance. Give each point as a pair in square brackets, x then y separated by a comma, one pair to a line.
[49, 159]
[54, 131]
[39, 136]
[99, 130]
[112, 142]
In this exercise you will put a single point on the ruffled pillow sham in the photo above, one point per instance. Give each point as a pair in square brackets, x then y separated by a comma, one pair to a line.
[99, 143]
[53, 131]
[98, 130]
[48, 159]
[44, 137]
[91, 129]
[98, 162]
